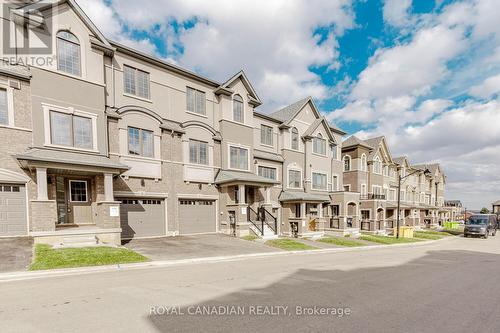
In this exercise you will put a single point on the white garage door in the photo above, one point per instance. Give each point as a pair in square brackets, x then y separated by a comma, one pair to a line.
[196, 216]
[142, 218]
[13, 210]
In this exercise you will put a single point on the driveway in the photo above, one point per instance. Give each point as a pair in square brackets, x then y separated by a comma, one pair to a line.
[196, 246]
[16, 253]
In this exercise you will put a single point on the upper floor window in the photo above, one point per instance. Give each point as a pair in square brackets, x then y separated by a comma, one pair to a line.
[319, 145]
[319, 181]
[335, 183]
[334, 152]
[140, 142]
[195, 101]
[198, 152]
[364, 165]
[347, 163]
[294, 178]
[68, 53]
[136, 82]
[71, 130]
[267, 172]
[295, 138]
[238, 158]
[238, 109]
[266, 135]
[4, 108]
[377, 165]
[386, 170]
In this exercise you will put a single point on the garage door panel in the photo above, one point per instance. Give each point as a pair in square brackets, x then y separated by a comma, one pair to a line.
[13, 219]
[142, 218]
[196, 216]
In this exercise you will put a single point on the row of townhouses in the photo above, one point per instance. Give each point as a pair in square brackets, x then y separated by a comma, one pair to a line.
[104, 141]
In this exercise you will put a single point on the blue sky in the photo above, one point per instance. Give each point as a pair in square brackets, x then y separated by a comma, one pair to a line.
[424, 73]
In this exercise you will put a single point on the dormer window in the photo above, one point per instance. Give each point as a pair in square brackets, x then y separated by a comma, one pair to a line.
[238, 109]
[319, 145]
[68, 53]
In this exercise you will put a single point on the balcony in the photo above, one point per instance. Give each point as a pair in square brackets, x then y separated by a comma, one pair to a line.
[372, 196]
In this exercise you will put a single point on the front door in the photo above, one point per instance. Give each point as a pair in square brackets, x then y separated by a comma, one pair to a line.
[79, 203]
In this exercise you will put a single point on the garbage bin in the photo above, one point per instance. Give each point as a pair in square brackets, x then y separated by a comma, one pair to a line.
[404, 232]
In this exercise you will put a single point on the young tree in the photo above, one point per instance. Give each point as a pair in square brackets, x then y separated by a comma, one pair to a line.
[484, 210]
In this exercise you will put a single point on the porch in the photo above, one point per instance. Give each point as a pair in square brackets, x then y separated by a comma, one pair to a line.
[344, 216]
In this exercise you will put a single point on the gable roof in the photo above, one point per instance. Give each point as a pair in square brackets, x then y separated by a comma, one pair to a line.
[224, 87]
[375, 143]
[309, 132]
[355, 141]
[400, 160]
[39, 6]
[289, 112]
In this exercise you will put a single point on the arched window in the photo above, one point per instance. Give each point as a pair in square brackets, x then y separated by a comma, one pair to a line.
[238, 109]
[295, 138]
[319, 145]
[377, 165]
[68, 53]
[364, 166]
[347, 163]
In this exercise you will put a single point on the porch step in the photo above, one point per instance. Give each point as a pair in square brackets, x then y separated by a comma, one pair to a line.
[79, 241]
[268, 232]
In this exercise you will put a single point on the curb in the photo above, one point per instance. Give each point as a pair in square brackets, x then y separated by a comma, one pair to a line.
[30, 275]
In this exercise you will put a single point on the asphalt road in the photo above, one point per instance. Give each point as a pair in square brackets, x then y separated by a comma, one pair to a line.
[449, 286]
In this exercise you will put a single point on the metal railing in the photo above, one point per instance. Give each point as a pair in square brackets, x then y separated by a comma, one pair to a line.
[269, 219]
[334, 223]
[365, 225]
[372, 196]
[253, 218]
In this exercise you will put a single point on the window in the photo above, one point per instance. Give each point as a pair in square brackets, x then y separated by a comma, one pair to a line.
[267, 172]
[319, 145]
[335, 183]
[295, 138]
[377, 190]
[4, 109]
[140, 142]
[68, 53]
[334, 152]
[195, 101]
[71, 130]
[136, 82]
[198, 152]
[266, 135]
[78, 189]
[377, 165]
[319, 181]
[364, 165]
[238, 108]
[294, 178]
[347, 163]
[386, 170]
[238, 158]
[347, 188]
[392, 195]
[403, 195]
[363, 189]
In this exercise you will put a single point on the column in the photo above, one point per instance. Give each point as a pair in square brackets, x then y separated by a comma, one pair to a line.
[241, 194]
[268, 195]
[302, 209]
[108, 187]
[320, 209]
[41, 181]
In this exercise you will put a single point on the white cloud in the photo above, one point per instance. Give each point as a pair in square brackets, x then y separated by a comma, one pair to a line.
[396, 12]
[489, 88]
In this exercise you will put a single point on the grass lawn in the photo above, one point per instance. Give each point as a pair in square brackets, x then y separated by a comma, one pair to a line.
[289, 244]
[426, 235]
[48, 258]
[387, 239]
[341, 241]
[249, 237]
[435, 232]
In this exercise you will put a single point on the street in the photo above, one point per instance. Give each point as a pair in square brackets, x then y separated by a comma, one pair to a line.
[446, 286]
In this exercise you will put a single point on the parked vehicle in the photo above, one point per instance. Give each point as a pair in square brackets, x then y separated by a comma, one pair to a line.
[481, 225]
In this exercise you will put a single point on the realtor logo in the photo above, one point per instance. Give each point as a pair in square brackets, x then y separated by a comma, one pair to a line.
[27, 31]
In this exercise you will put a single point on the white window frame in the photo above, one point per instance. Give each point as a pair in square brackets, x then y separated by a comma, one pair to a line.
[312, 180]
[140, 142]
[319, 138]
[258, 166]
[343, 163]
[199, 142]
[242, 109]
[86, 189]
[379, 187]
[288, 177]
[378, 161]
[80, 52]
[364, 189]
[335, 148]
[298, 139]
[197, 91]
[47, 108]
[266, 127]
[335, 187]
[229, 155]
[364, 163]
[10, 104]
[136, 95]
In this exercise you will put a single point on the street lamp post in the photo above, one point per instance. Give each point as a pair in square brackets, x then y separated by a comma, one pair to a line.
[426, 172]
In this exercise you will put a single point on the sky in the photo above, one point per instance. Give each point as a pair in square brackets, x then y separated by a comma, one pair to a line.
[424, 73]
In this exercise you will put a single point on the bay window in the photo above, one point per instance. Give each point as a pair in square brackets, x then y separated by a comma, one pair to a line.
[267, 172]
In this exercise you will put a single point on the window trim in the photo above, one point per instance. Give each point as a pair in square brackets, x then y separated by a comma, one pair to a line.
[229, 156]
[262, 126]
[207, 150]
[86, 190]
[140, 142]
[242, 109]
[204, 114]
[9, 96]
[47, 108]
[288, 178]
[312, 180]
[364, 163]
[128, 94]
[268, 167]
[350, 163]
[80, 53]
[335, 188]
[319, 137]
[375, 161]
[291, 139]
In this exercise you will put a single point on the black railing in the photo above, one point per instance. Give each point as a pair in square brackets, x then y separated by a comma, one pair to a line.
[365, 225]
[390, 223]
[269, 219]
[334, 223]
[253, 217]
[372, 196]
